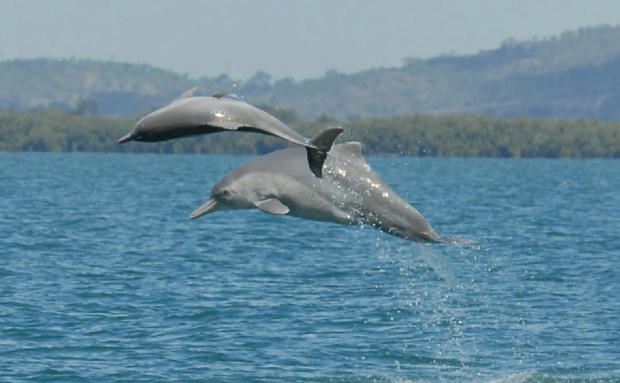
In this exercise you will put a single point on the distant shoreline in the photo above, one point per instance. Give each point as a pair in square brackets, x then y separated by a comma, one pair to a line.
[421, 135]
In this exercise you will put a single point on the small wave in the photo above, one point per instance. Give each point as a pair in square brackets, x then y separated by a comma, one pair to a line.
[537, 377]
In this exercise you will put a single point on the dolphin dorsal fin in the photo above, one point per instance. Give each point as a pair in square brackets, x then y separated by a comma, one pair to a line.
[187, 94]
[352, 148]
[272, 206]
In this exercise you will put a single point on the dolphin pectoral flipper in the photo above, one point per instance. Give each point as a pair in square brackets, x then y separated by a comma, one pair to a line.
[272, 206]
[323, 143]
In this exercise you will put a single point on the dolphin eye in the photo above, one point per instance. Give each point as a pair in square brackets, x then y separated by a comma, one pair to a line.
[225, 193]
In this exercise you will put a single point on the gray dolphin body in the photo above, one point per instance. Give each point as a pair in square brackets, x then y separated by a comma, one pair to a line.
[189, 116]
[350, 193]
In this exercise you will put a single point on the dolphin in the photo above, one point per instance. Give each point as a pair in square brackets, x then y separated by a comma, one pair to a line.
[188, 116]
[350, 193]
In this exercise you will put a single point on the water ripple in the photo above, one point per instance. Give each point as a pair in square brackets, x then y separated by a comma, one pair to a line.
[104, 278]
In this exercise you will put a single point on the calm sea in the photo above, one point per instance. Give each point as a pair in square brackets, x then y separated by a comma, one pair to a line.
[104, 278]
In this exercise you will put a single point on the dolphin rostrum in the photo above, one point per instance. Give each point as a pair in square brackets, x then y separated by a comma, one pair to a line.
[350, 193]
[188, 116]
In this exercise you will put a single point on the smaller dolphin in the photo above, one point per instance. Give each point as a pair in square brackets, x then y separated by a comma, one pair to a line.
[188, 116]
[350, 193]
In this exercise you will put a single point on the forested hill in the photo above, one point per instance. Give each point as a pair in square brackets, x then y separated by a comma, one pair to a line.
[119, 89]
[574, 75]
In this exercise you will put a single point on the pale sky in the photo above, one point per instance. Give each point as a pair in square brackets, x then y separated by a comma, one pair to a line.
[285, 38]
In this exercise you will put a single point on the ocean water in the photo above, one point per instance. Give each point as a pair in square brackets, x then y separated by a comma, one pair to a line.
[104, 278]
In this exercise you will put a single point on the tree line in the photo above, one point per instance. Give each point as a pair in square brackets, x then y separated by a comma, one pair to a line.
[461, 135]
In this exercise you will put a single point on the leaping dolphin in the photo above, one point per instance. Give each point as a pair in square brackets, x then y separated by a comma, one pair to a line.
[350, 193]
[188, 116]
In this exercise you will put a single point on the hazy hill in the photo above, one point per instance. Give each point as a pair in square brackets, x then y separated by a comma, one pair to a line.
[570, 76]
[117, 88]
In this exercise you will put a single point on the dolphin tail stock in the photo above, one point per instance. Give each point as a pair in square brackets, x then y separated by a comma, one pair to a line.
[322, 143]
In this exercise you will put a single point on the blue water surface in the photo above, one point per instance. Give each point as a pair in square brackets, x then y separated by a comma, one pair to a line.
[104, 278]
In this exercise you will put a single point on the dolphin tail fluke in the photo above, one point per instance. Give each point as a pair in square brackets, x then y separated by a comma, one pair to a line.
[323, 143]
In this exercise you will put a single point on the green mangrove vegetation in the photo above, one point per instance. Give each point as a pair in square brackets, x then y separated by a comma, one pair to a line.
[461, 135]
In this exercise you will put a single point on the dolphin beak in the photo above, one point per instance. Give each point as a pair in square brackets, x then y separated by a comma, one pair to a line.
[209, 207]
[124, 139]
